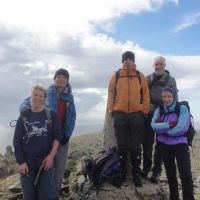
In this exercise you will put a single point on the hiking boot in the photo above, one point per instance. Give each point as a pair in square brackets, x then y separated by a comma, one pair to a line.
[155, 178]
[137, 180]
[144, 173]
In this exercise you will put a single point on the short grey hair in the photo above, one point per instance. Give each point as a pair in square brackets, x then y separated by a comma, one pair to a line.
[160, 58]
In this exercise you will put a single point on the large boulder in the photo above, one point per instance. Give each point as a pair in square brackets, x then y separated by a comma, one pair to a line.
[108, 132]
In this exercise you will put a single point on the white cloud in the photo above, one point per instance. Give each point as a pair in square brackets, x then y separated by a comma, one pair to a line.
[70, 16]
[38, 37]
[188, 21]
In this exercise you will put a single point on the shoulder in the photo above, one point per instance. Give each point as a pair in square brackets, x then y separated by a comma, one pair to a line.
[51, 88]
[150, 77]
[183, 108]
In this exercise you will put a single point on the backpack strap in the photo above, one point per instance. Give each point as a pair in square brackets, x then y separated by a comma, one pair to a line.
[48, 115]
[116, 81]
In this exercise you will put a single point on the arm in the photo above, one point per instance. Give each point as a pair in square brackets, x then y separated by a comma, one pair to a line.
[18, 143]
[175, 87]
[56, 131]
[159, 127]
[183, 123]
[111, 89]
[26, 104]
[72, 119]
[48, 160]
[146, 99]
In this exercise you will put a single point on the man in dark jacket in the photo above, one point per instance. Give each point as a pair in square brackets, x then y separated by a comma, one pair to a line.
[156, 82]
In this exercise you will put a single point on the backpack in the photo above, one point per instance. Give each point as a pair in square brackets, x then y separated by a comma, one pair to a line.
[116, 81]
[191, 132]
[107, 165]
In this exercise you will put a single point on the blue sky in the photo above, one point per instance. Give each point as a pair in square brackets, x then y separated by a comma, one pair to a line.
[87, 38]
[148, 27]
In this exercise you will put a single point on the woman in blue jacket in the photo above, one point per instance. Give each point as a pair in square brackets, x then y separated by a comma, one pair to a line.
[170, 131]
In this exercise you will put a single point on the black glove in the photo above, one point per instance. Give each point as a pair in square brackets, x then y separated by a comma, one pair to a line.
[64, 140]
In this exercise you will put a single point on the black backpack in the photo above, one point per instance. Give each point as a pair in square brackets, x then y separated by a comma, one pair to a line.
[191, 132]
[107, 165]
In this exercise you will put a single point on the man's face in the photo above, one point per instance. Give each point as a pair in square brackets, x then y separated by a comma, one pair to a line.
[159, 67]
[128, 62]
[61, 81]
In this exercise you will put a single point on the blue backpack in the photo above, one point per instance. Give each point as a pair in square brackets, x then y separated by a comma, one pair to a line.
[107, 165]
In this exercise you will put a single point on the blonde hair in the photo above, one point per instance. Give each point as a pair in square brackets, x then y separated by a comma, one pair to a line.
[39, 87]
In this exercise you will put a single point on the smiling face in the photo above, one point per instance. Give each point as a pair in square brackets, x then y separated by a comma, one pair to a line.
[61, 81]
[37, 99]
[167, 98]
[159, 66]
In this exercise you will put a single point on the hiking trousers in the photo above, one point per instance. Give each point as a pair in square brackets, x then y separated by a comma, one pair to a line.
[147, 144]
[179, 153]
[60, 162]
[45, 188]
[128, 130]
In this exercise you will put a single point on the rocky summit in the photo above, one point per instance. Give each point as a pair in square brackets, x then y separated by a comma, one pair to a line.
[75, 188]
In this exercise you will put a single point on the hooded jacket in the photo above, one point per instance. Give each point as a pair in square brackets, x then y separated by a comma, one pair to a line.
[128, 96]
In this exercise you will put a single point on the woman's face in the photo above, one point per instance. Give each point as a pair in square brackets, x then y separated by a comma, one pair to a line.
[167, 98]
[37, 98]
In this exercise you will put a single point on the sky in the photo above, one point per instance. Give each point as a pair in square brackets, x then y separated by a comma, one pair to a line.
[87, 38]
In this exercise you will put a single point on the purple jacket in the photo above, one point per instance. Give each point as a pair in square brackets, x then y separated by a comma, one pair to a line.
[166, 133]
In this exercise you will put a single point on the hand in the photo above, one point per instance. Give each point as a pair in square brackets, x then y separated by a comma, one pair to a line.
[172, 124]
[64, 140]
[110, 112]
[23, 168]
[48, 162]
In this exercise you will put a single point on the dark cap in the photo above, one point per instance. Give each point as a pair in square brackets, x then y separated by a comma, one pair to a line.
[62, 71]
[128, 54]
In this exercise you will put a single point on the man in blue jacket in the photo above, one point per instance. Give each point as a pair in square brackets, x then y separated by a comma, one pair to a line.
[60, 99]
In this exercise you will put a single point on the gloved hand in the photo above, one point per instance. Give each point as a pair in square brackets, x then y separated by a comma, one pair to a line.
[64, 140]
[172, 124]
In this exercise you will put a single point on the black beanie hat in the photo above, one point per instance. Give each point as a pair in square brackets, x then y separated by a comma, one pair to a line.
[62, 71]
[128, 54]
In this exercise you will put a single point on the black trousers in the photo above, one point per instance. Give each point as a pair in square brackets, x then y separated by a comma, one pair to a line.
[128, 130]
[181, 154]
[147, 146]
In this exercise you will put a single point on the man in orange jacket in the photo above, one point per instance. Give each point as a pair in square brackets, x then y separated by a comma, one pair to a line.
[128, 103]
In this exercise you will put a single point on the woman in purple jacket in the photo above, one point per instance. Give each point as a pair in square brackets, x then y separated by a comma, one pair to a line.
[170, 130]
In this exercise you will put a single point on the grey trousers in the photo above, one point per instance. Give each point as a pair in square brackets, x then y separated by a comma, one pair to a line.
[60, 162]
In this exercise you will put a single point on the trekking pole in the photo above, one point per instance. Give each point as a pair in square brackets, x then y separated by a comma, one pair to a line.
[38, 175]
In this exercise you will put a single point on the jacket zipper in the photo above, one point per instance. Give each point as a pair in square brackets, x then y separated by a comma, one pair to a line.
[128, 92]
